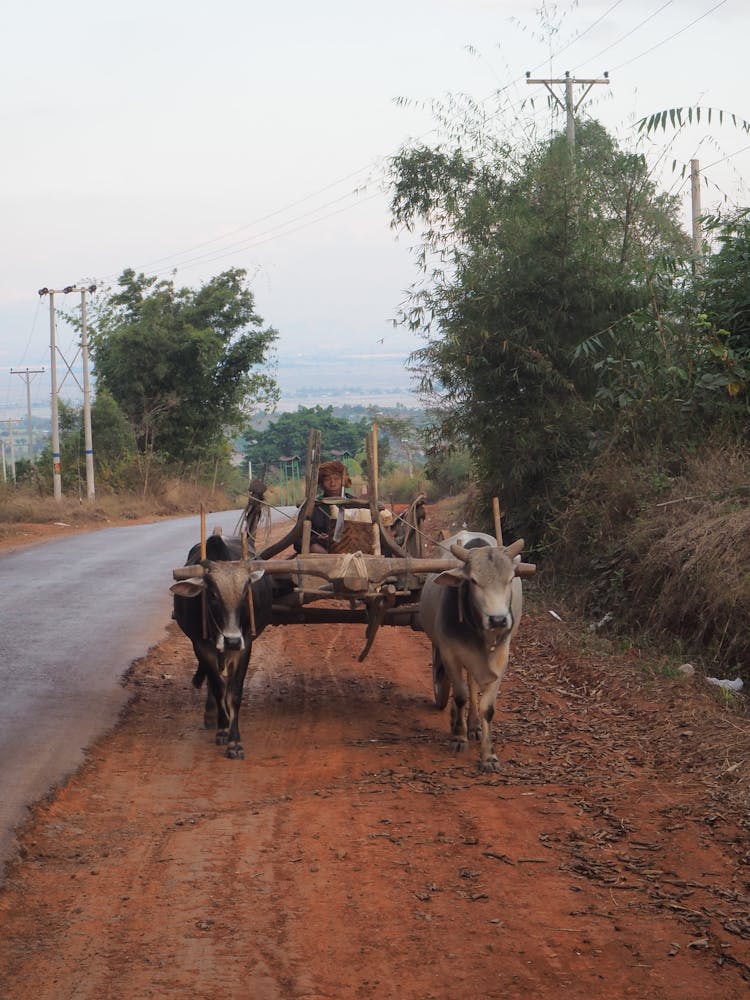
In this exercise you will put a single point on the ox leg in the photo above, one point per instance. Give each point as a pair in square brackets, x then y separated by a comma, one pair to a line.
[474, 724]
[488, 758]
[459, 702]
[210, 711]
[217, 697]
[487, 699]
[204, 672]
[233, 700]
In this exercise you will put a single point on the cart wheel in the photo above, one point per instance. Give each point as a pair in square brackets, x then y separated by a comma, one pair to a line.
[441, 684]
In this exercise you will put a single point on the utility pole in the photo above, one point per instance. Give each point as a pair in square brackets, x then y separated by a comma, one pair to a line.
[26, 374]
[10, 421]
[56, 471]
[88, 445]
[569, 107]
[56, 467]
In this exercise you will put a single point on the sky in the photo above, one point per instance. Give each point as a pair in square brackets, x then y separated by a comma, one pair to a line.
[183, 138]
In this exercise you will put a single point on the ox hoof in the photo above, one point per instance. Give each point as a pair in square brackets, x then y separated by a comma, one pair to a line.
[222, 738]
[490, 766]
[475, 732]
[459, 744]
[236, 752]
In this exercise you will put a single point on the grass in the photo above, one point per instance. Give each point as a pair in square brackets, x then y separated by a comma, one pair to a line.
[19, 505]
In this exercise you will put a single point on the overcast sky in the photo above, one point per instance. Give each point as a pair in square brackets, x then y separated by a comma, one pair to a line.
[163, 134]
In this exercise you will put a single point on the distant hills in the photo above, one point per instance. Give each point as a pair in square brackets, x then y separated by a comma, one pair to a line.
[345, 377]
[326, 378]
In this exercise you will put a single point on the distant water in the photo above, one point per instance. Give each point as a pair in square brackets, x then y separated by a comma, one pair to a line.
[329, 378]
[343, 378]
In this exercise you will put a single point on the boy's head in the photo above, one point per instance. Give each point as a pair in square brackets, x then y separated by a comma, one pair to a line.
[331, 477]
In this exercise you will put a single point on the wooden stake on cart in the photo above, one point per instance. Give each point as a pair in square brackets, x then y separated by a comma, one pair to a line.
[372, 459]
[250, 605]
[498, 525]
[204, 609]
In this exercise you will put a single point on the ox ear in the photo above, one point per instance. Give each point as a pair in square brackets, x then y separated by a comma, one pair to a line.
[188, 588]
[450, 578]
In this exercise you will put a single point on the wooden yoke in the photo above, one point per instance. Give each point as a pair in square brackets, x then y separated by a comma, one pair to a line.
[355, 569]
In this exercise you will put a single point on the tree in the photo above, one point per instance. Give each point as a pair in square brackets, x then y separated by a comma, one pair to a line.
[288, 434]
[725, 283]
[521, 261]
[184, 365]
[401, 439]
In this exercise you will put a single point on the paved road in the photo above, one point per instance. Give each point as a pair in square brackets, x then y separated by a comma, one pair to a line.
[75, 614]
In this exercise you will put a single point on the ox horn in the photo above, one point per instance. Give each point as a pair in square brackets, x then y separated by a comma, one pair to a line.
[514, 548]
[460, 552]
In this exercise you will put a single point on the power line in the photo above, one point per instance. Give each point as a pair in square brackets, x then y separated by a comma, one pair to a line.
[370, 166]
[264, 218]
[219, 255]
[282, 230]
[254, 240]
[727, 157]
[674, 35]
[629, 33]
[579, 36]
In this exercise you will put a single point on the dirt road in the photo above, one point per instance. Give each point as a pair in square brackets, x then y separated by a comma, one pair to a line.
[351, 855]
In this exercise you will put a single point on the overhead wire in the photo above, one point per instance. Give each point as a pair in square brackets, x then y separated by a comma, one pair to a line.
[282, 228]
[249, 245]
[632, 31]
[669, 38]
[261, 219]
[368, 167]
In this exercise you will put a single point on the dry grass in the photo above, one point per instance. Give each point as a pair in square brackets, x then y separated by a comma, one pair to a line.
[670, 554]
[690, 558]
[25, 506]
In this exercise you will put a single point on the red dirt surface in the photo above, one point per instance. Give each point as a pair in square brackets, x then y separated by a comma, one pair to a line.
[352, 855]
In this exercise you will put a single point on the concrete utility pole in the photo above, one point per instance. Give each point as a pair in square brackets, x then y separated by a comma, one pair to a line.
[26, 374]
[569, 107]
[88, 444]
[56, 467]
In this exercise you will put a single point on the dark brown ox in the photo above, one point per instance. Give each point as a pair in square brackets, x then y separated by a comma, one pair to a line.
[237, 609]
[471, 614]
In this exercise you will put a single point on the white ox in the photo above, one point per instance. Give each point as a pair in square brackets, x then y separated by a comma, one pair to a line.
[471, 614]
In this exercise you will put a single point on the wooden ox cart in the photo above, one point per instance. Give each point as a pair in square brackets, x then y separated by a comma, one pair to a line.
[372, 574]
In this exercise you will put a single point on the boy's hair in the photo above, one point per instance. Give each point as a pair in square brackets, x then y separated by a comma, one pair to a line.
[337, 469]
